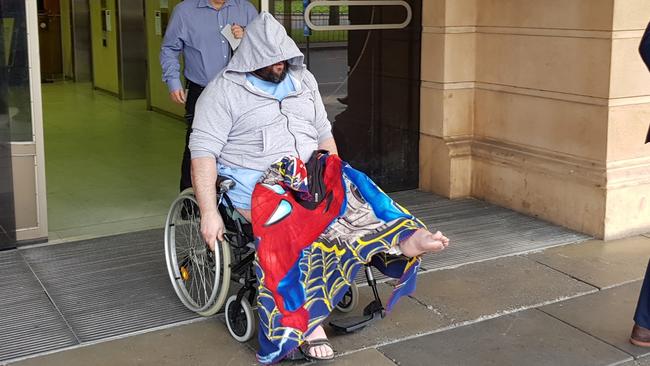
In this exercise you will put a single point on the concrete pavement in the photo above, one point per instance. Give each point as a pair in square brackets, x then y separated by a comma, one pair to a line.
[569, 305]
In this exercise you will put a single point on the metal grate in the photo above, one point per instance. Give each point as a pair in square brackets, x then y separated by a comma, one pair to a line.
[29, 323]
[110, 286]
[479, 230]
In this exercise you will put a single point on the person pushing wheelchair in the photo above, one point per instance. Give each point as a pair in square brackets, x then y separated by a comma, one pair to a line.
[262, 123]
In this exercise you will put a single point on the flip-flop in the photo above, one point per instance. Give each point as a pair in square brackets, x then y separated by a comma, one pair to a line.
[306, 346]
[295, 355]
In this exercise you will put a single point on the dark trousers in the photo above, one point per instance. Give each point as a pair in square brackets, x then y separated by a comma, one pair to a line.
[193, 93]
[642, 314]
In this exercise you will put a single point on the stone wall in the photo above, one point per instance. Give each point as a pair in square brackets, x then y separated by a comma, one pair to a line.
[539, 106]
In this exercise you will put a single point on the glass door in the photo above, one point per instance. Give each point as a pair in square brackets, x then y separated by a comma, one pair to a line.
[22, 179]
[366, 58]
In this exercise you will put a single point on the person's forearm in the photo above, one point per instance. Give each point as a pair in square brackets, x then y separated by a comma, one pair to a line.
[204, 178]
[329, 145]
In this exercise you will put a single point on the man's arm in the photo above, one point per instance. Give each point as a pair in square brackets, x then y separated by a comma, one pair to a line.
[210, 130]
[204, 178]
[321, 123]
[170, 50]
[329, 145]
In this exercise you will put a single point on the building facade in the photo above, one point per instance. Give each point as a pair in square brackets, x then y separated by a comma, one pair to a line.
[541, 107]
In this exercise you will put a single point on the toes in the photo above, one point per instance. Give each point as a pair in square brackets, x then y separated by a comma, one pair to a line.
[329, 352]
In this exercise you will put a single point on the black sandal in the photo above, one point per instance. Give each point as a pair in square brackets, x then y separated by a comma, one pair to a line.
[307, 346]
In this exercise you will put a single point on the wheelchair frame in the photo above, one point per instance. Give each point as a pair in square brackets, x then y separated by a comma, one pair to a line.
[201, 278]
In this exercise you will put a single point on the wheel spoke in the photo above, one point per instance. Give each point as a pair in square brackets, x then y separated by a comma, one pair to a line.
[201, 271]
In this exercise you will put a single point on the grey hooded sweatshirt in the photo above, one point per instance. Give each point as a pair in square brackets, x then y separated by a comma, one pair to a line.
[245, 127]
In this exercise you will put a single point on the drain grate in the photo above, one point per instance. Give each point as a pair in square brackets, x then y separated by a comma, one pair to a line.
[29, 323]
[478, 230]
[109, 286]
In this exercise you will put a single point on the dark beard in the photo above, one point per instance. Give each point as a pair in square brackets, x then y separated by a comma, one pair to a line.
[266, 73]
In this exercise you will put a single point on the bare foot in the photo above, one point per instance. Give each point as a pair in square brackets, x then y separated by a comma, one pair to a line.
[322, 351]
[423, 241]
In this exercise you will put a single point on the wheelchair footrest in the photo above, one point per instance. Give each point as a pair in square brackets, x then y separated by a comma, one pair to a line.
[354, 323]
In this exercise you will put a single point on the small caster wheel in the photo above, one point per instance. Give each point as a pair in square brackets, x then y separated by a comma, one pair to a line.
[239, 319]
[350, 300]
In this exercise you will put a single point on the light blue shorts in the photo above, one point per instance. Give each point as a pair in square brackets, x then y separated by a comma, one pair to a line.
[245, 180]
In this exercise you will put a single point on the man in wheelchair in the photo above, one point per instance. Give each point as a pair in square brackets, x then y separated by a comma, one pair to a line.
[315, 224]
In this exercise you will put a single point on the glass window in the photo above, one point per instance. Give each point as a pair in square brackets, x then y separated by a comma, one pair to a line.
[15, 101]
[15, 107]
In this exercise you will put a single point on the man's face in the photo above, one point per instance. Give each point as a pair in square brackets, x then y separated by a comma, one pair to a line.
[274, 73]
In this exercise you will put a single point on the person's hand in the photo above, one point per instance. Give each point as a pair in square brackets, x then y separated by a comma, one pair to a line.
[237, 31]
[212, 228]
[177, 96]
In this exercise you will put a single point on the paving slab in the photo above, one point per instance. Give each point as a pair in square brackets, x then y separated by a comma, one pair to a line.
[205, 342]
[640, 362]
[408, 318]
[606, 315]
[602, 264]
[494, 287]
[525, 338]
[365, 357]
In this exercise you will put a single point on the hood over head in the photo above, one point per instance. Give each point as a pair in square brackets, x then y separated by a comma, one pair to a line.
[265, 43]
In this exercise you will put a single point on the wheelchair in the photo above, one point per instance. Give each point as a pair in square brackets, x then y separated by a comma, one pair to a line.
[202, 278]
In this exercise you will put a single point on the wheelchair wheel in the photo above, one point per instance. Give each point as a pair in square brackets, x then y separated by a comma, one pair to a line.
[239, 319]
[350, 300]
[200, 277]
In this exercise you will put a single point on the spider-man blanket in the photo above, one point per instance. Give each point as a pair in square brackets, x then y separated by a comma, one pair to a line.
[308, 256]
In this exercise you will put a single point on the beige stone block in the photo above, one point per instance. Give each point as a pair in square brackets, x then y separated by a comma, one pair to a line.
[458, 113]
[460, 12]
[432, 106]
[628, 210]
[433, 57]
[433, 13]
[445, 166]
[440, 13]
[435, 165]
[560, 200]
[446, 112]
[627, 130]
[629, 75]
[448, 57]
[567, 65]
[25, 200]
[560, 14]
[460, 184]
[631, 14]
[558, 126]
[460, 57]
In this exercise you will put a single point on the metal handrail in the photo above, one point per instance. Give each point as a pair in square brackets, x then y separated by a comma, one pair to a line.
[404, 24]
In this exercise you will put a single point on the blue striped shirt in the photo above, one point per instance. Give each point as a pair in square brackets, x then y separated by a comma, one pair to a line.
[195, 29]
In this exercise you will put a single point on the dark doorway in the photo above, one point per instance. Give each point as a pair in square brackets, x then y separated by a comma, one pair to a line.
[370, 84]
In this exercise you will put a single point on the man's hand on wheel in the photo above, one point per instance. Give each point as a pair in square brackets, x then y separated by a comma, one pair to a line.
[178, 96]
[212, 228]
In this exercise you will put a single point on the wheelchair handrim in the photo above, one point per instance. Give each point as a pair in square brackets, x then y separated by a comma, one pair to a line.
[198, 267]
